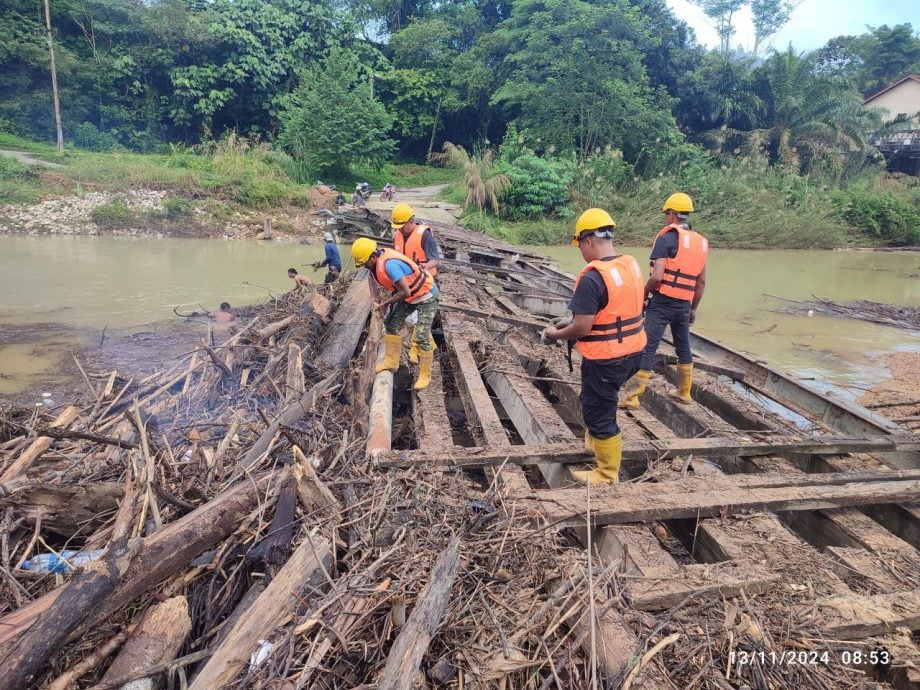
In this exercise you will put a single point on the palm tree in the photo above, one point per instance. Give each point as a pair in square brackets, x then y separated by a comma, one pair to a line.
[483, 183]
[804, 120]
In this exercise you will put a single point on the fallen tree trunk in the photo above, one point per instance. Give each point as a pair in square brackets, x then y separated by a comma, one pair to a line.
[66, 509]
[156, 640]
[275, 548]
[160, 555]
[80, 599]
[347, 325]
[308, 566]
[407, 652]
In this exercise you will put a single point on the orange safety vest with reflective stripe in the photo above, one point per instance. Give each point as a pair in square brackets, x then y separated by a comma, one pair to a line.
[412, 247]
[618, 329]
[420, 282]
[682, 273]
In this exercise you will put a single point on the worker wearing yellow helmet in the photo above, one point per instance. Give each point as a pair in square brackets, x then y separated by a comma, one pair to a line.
[415, 240]
[607, 327]
[674, 289]
[411, 289]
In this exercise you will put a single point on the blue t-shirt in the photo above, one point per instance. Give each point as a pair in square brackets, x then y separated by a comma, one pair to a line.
[332, 256]
[397, 268]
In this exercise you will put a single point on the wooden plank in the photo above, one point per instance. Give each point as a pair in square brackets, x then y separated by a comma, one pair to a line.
[643, 450]
[524, 322]
[410, 646]
[481, 416]
[638, 551]
[624, 503]
[856, 617]
[308, 565]
[850, 562]
[704, 580]
[434, 425]
[344, 332]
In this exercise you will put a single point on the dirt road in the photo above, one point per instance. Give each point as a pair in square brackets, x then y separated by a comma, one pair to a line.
[422, 199]
[28, 159]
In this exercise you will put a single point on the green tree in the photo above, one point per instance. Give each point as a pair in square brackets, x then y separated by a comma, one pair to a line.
[722, 13]
[576, 80]
[333, 119]
[806, 121]
[769, 16]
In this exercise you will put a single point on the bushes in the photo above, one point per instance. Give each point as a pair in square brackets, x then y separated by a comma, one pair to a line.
[883, 216]
[538, 185]
[113, 215]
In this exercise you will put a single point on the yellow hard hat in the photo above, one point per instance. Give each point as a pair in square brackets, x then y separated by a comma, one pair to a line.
[362, 249]
[679, 202]
[401, 215]
[593, 219]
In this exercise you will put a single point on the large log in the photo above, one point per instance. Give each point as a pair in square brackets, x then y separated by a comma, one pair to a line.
[160, 555]
[275, 548]
[80, 599]
[156, 640]
[347, 325]
[409, 648]
[66, 509]
[39, 445]
[308, 566]
[624, 503]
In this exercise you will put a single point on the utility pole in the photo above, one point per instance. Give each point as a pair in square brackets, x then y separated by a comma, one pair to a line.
[54, 86]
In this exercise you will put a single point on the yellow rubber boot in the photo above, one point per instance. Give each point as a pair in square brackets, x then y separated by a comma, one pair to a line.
[392, 346]
[634, 388]
[607, 452]
[413, 349]
[684, 383]
[589, 441]
[425, 360]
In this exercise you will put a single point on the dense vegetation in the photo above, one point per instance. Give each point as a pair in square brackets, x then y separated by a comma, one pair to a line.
[541, 106]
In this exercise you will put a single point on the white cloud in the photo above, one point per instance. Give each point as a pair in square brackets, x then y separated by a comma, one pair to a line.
[812, 24]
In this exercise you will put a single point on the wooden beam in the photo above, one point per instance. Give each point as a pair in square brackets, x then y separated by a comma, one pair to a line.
[344, 332]
[532, 324]
[639, 450]
[856, 617]
[648, 502]
[434, 425]
[409, 648]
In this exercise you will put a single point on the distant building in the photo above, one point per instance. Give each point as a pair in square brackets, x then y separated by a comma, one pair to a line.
[900, 103]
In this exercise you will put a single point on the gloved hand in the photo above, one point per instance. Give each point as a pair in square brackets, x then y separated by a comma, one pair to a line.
[692, 317]
[564, 320]
[544, 340]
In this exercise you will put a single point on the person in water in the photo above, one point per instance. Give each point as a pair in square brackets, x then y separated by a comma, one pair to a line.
[300, 281]
[224, 315]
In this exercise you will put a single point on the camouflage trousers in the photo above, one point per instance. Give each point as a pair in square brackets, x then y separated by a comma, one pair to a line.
[400, 311]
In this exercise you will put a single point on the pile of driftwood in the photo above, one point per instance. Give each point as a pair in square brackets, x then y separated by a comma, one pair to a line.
[237, 536]
[864, 310]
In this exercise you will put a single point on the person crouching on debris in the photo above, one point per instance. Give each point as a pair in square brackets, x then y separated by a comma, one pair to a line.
[608, 331]
[674, 288]
[333, 261]
[413, 289]
[300, 281]
[415, 240]
[224, 315]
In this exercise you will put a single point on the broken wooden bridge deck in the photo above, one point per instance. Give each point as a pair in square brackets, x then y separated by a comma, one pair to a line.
[743, 496]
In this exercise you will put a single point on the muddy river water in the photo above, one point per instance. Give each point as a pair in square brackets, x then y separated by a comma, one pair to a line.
[57, 292]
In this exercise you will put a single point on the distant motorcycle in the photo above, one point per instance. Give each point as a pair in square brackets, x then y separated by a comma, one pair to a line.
[364, 189]
[388, 193]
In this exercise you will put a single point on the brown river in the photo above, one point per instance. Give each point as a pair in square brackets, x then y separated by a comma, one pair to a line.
[58, 293]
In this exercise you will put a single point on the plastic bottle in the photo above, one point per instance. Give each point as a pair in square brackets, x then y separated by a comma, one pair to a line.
[53, 563]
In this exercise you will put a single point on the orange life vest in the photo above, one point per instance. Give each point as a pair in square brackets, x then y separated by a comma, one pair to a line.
[618, 328]
[683, 271]
[420, 282]
[412, 247]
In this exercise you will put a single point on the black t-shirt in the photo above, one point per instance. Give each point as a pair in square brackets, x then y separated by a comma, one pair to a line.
[591, 294]
[665, 246]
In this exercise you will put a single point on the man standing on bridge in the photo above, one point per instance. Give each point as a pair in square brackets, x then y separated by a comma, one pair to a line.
[412, 289]
[674, 288]
[608, 332]
[415, 240]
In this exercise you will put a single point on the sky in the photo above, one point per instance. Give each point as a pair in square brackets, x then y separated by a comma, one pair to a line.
[812, 24]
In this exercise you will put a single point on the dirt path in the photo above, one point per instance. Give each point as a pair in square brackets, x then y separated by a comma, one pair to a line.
[422, 199]
[28, 159]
